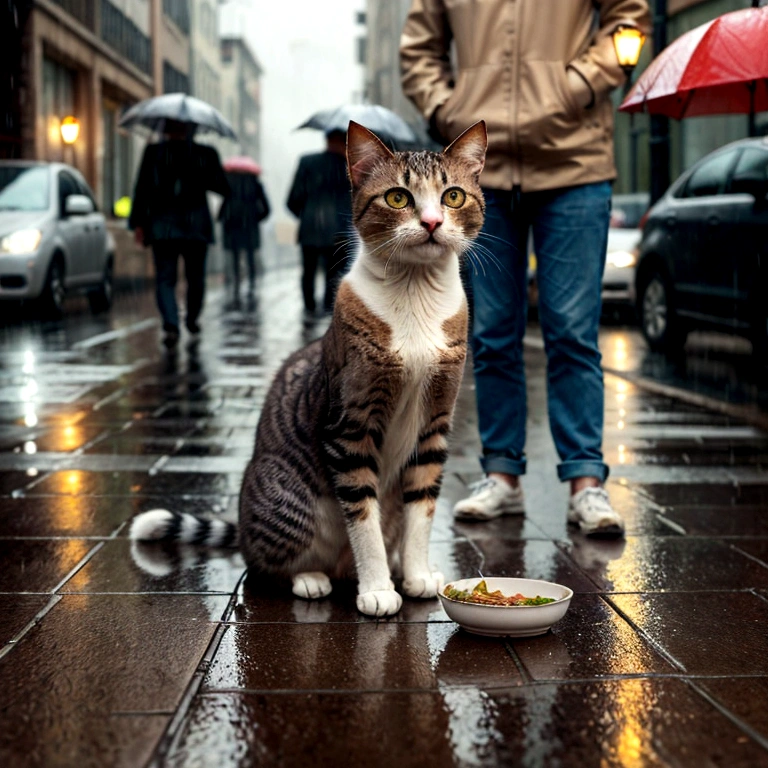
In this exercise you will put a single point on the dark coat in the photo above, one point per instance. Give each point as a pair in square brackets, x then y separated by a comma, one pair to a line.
[241, 213]
[169, 199]
[322, 199]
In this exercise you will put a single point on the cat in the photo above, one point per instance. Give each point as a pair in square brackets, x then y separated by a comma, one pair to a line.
[352, 439]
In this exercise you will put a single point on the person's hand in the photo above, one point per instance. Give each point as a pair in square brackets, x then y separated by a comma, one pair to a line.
[138, 235]
[582, 93]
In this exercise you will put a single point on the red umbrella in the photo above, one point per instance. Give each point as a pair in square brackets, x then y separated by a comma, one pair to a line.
[242, 164]
[720, 67]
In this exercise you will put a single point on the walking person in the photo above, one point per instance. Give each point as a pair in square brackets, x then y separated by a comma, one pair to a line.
[542, 83]
[240, 216]
[170, 213]
[320, 197]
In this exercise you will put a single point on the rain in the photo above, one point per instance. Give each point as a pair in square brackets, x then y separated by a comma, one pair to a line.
[134, 375]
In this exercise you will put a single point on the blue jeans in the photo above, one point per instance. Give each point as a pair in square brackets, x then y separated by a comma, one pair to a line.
[570, 232]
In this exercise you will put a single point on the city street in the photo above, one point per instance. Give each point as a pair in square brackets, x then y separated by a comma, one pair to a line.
[117, 654]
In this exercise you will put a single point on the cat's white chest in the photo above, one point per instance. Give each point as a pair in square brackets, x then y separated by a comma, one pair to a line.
[416, 313]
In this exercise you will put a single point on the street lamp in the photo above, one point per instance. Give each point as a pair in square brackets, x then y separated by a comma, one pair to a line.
[628, 42]
[70, 129]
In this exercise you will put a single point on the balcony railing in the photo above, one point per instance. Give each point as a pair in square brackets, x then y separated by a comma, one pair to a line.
[123, 36]
[82, 10]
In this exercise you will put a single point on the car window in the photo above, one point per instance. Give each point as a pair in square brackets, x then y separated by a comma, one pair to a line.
[751, 172]
[67, 186]
[84, 189]
[710, 177]
[24, 188]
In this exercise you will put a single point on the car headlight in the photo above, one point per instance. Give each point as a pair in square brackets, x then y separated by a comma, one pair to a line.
[621, 259]
[23, 241]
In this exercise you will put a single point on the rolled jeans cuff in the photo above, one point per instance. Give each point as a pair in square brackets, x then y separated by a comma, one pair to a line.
[504, 464]
[569, 470]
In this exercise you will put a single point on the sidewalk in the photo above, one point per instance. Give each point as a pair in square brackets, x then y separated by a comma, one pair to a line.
[121, 655]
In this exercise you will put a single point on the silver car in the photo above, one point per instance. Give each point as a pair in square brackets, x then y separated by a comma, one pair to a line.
[53, 238]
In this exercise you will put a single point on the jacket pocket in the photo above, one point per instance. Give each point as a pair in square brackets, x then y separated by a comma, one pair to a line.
[480, 94]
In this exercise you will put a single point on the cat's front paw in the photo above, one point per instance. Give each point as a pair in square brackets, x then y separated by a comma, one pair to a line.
[380, 602]
[311, 585]
[425, 585]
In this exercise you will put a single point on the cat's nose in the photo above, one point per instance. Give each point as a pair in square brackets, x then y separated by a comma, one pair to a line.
[431, 219]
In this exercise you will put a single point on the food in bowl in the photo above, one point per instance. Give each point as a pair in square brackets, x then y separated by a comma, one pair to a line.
[484, 618]
[481, 595]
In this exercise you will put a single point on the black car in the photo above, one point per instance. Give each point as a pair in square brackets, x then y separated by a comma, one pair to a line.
[704, 251]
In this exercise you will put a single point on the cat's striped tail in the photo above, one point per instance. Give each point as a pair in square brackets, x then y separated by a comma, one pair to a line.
[181, 527]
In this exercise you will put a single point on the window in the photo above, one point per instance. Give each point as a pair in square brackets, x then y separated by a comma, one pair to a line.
[709, 178]
[67, 186]
[751, 174]
[23, 188]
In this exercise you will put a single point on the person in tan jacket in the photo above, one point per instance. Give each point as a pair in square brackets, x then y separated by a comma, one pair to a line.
[540, 75]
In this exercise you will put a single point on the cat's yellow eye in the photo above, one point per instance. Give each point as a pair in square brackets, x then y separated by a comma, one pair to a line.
[397, 198]
[454, 197]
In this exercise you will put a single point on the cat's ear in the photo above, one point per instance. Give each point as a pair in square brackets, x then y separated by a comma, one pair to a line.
[470, 147]
[364, 150]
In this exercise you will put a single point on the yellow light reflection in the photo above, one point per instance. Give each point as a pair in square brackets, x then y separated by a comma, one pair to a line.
[70, 511]
[620, 425]
[69, 438]
[619, 351]
[71, 482]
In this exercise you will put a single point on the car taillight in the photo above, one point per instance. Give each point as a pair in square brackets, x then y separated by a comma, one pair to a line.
[643, 220]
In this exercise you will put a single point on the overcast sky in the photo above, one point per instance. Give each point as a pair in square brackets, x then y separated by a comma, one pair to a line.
[308, 50]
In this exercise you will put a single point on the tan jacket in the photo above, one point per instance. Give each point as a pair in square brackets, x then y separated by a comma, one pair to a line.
[512, 59]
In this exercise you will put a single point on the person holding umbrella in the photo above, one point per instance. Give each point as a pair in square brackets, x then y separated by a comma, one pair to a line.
[240, 217]
[320, 197]
[170, 213]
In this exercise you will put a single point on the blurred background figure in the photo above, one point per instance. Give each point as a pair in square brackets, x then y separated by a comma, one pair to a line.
[240, 217]
[320, 197]
[170, 212]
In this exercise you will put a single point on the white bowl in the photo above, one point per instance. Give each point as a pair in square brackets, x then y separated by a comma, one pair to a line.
[508, 620]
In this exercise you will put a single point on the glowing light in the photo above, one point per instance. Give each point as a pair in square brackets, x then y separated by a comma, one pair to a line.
[628, 42]
[30, 447]
[70, 129]
[29, 362]
[30, 419]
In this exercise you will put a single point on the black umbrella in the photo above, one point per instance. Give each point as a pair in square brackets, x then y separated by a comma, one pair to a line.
[153, 113]
[387, 125]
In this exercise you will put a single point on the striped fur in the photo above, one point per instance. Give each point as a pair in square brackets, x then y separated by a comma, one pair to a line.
[353, 436]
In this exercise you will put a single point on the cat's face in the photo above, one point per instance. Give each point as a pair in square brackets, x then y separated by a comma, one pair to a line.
[416, 207]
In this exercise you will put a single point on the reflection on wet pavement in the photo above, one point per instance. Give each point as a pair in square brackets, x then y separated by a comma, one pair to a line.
[116, 653]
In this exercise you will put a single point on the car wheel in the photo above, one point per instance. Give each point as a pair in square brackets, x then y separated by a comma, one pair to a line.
[51, 301]
[659, 322]
[101, 298]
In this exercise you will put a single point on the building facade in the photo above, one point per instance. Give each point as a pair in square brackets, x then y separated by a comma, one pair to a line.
[382, 62]
[241, 78]
[93, 59]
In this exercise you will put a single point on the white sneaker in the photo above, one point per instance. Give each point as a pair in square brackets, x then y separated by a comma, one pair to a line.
[490, 498]
[591, 510]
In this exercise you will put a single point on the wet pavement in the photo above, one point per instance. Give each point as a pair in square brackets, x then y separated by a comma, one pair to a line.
[116, 654]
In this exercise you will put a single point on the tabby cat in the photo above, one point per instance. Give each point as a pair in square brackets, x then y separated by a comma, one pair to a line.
[352, 439]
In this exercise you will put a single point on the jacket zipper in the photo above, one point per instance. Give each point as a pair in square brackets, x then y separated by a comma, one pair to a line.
[514, 133]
